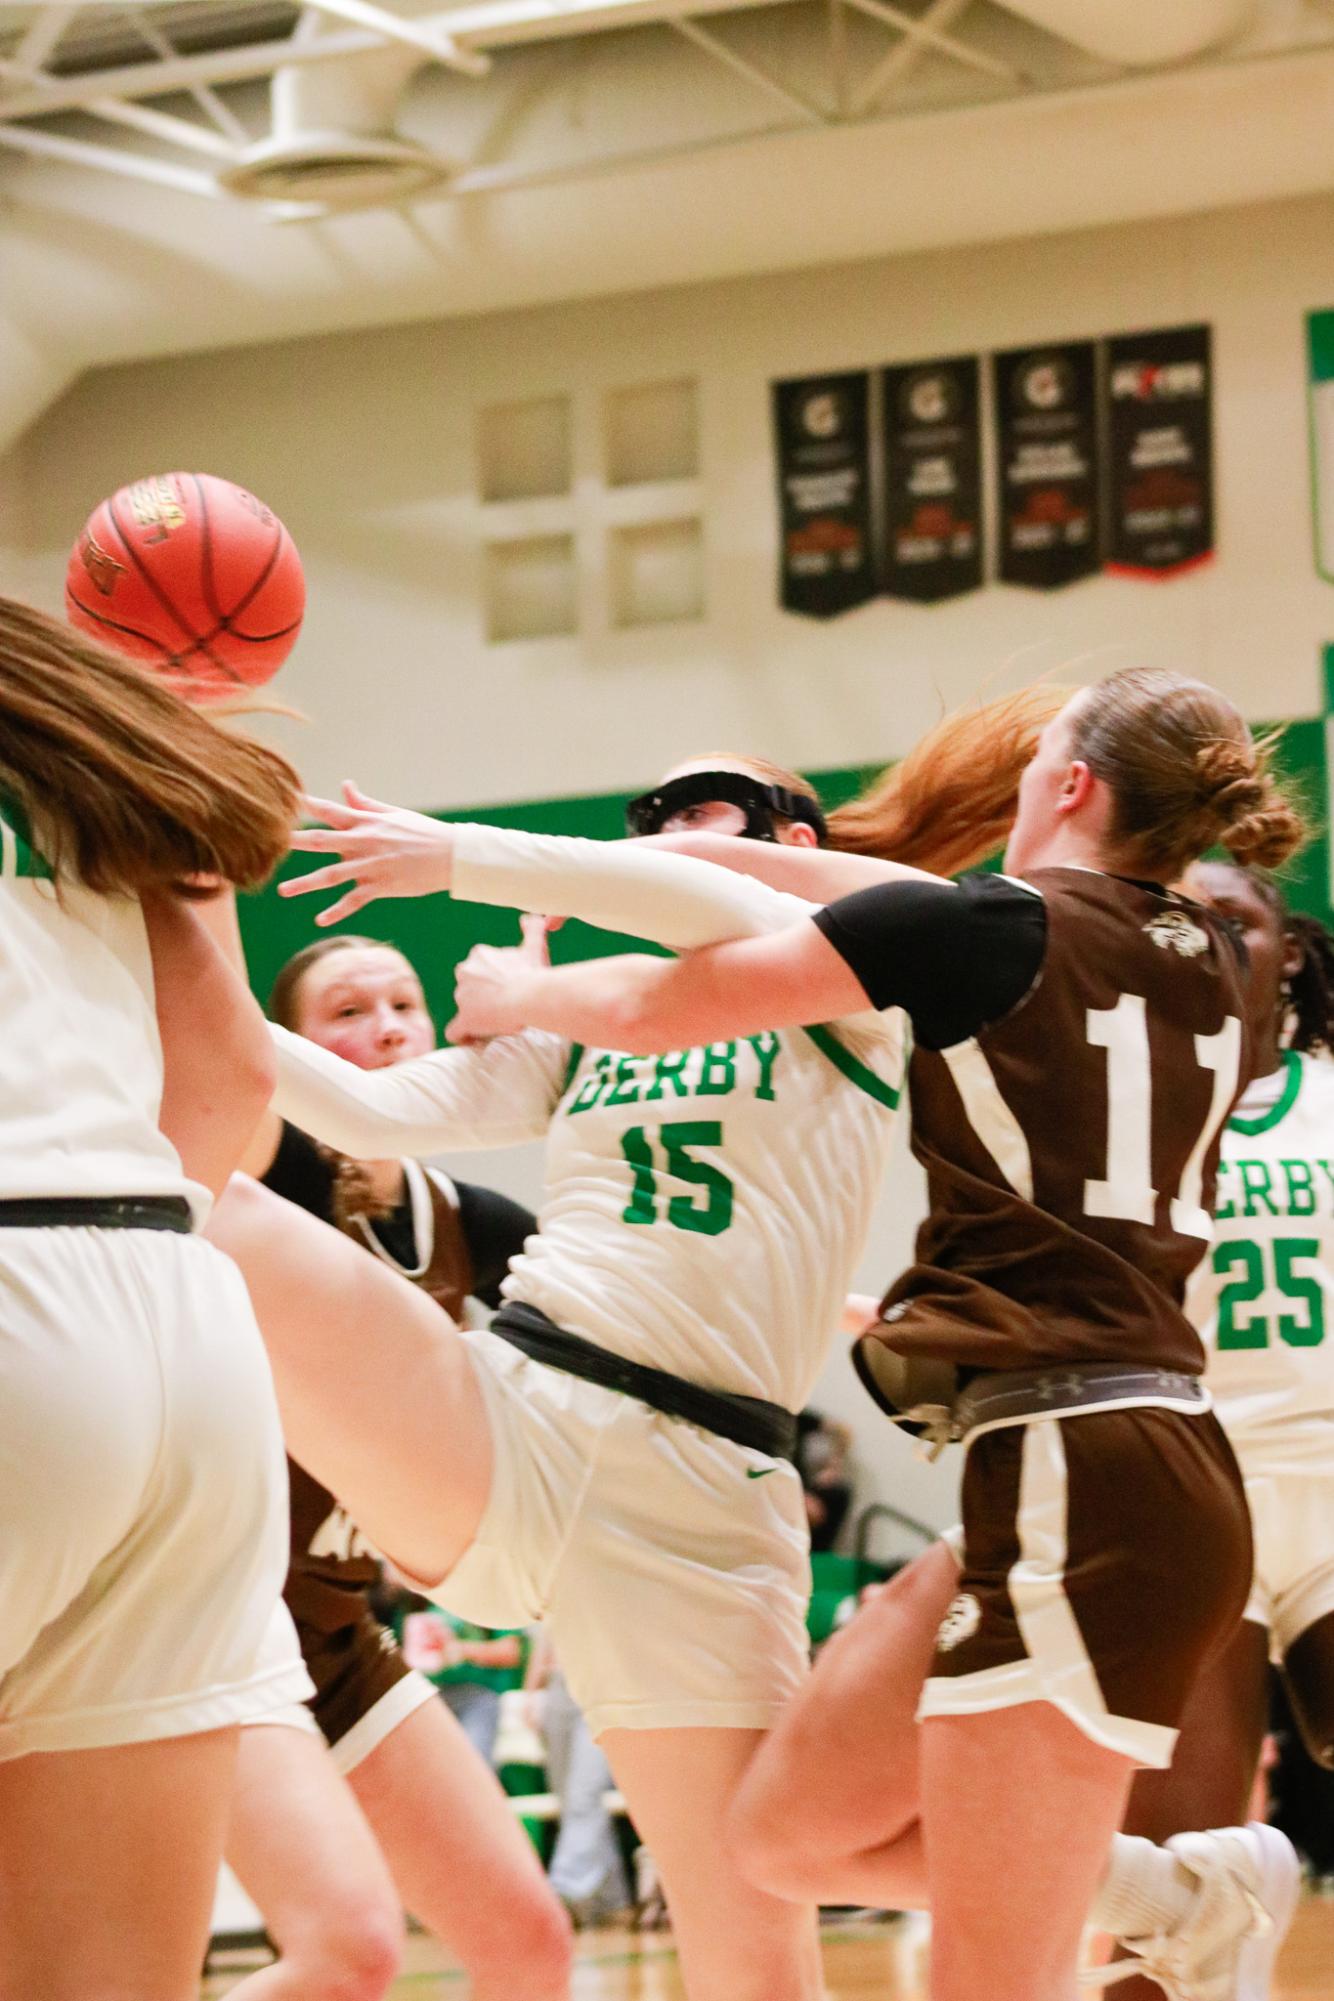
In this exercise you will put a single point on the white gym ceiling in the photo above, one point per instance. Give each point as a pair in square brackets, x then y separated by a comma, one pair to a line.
[177, 176]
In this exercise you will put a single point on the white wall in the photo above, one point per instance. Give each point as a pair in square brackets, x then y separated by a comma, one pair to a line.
[365, 444]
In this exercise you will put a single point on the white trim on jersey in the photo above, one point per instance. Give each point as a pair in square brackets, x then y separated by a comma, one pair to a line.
[988, 1114]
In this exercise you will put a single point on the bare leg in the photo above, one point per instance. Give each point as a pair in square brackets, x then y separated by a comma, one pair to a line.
[108, 1861]
[1209, 1781]
[1019, 1811]
[461, 1861]
[736, 1943]
[829, 1808]
[377, 1393]
[301, 1848]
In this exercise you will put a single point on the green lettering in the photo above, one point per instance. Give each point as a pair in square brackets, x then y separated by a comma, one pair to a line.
[766, 1048]
[717, 1070]
[1301, 1187]
[668, 1070]
[592, 1087]
[1255, 1184]
[1223, 1209]
[1328, 1171]
[642, 1206]
[625, 1090]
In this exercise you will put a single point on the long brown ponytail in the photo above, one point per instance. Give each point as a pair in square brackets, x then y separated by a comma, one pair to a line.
[950, 802]
[127, 787]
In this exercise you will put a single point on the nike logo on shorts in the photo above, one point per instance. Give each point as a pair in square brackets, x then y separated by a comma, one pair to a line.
[758, 1472]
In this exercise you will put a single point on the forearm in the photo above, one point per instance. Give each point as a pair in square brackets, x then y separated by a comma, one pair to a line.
[497, 1096]
[673, 899]
[642, 1005]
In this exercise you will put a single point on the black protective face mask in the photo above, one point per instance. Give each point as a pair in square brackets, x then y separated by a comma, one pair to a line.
[760, 802]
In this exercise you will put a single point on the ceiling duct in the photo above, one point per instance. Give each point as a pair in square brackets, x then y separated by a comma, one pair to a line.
[1140, 36]
[333, 140]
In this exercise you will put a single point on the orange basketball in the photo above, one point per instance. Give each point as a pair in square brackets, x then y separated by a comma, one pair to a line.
[193, 575]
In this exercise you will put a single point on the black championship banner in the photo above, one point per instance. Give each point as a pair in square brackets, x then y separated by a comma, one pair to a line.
[1160, 499]
[1046, 464]
[823, 433]
[933, 480]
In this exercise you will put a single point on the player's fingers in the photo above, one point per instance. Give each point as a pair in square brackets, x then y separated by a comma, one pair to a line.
[333, 811]
[534, 946]
[361, 802]
[323, 840]
[356, 899]
[320, 878]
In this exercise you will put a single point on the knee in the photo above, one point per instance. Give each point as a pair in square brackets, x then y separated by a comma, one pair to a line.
[351, 1954]
[531, 1954]
[765, 1840]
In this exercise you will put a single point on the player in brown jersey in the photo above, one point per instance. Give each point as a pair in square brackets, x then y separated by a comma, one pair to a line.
[969, 1742]
[301, 1846]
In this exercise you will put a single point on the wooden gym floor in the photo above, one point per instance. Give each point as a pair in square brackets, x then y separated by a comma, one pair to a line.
[863, 1962]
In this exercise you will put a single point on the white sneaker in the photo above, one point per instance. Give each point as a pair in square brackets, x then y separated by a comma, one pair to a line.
[1225, 1948]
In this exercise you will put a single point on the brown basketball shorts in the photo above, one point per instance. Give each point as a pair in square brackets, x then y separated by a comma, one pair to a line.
[363, 1686]
[1104, 1557]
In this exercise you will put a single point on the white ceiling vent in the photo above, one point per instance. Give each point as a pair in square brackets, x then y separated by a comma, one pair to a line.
[333, 140]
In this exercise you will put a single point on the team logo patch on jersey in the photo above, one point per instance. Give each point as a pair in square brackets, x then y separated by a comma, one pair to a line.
[959, 1623]
[1179, 932]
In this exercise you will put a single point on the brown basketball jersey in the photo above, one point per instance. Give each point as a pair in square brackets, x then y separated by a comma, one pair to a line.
[1071, 1146]
[332, 1565]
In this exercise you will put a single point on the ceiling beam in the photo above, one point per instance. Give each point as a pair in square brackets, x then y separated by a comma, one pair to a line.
[208, 100]
[949, 45]
[742, 67]
[107, 159]
[42, 36]
[905, 55]
[420, 35]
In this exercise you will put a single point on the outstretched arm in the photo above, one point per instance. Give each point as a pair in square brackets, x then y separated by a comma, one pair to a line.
[640, 887]
[640, 1005]
[455, 1098]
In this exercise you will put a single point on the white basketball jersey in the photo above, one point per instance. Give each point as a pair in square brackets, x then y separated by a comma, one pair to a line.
[705, 1210]
[1263, 1298]
[80, 1058]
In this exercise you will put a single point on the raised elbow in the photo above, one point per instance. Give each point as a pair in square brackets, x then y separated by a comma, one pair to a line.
[254, 1072]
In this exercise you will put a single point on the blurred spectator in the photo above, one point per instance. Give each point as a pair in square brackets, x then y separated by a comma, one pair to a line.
[587, 1870]
[470, 1665]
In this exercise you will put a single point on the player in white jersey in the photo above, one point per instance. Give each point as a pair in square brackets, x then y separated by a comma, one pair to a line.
[1263, 1300]
[141, 1482]
[613, 1455]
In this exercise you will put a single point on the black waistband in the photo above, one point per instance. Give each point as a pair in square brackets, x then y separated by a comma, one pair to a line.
[96, 1212]
[764, 1427]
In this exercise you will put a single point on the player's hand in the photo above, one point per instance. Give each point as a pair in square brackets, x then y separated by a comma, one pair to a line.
[491, 985]
[385, 851]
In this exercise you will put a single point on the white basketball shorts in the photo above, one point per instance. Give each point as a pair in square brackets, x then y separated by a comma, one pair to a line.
[671, 1566]
[142, 1493]
[1290, 1488]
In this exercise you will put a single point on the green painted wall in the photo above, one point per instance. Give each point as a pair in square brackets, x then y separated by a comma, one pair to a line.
[435, 932]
